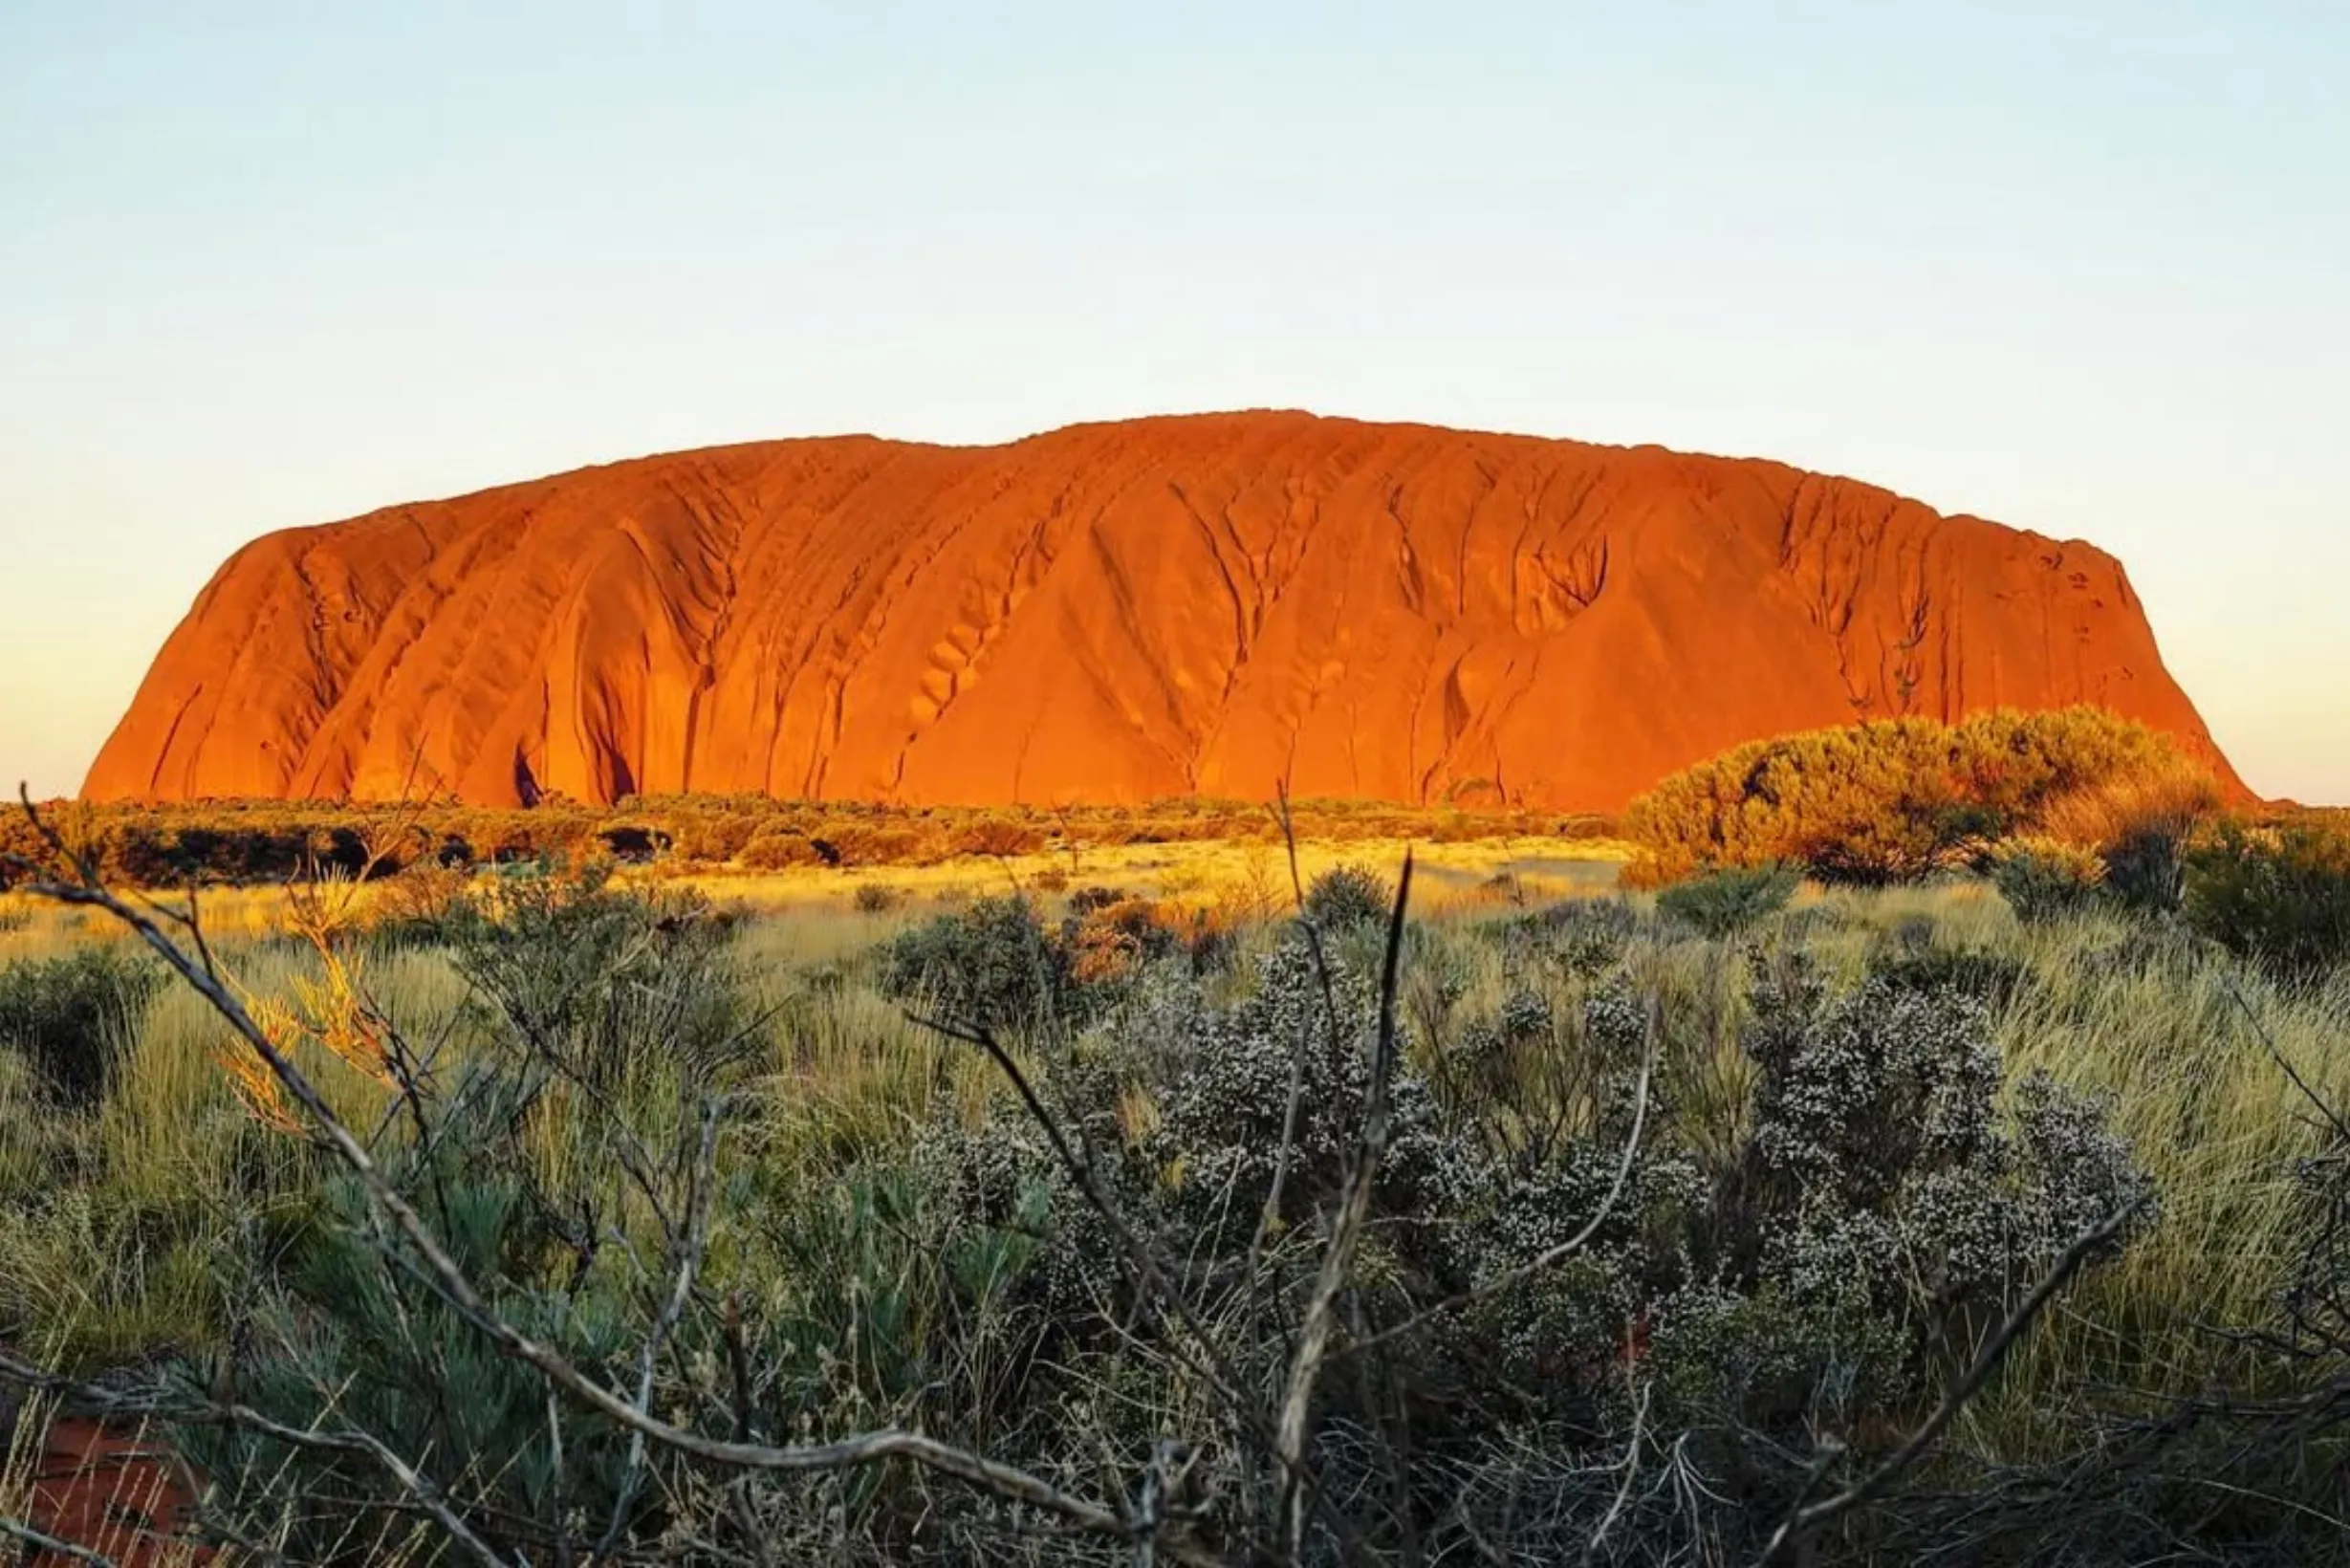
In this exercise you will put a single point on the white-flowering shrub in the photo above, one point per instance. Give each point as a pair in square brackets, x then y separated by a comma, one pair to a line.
[1888, 1173]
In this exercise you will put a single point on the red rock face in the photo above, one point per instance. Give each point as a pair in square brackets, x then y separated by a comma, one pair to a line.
[1211, 605]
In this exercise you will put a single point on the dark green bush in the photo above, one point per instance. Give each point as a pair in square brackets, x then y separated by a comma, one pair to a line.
[2146, 869]
[1729, 902]
[600, 982]
[1346, 896]
[2047, 883]
[993, 964]
[351, 1337]
[1579, 938]
[72, 1017]
[2279, 895]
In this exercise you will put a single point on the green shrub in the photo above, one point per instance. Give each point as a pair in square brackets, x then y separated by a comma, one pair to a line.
[993, 964]
[1579, 938]
[347, 1336]
[2044, 882]
[69, 1018]
[2146, 869]
[2277, 895]
[1729, 902]
[1881, 1176]
[600, 982]
[1346, 896]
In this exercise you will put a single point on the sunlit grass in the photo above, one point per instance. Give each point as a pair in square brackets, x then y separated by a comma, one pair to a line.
[118, 1231]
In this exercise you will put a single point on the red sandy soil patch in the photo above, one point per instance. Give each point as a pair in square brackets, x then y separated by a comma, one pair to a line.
[110, 1491]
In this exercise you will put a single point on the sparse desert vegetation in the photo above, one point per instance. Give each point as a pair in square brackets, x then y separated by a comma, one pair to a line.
[1615, 1228]
[267, 842]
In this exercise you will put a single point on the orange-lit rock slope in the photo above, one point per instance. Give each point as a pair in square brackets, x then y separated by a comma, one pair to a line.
[1115, 613]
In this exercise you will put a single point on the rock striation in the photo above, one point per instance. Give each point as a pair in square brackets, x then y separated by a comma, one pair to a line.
[1212, 605]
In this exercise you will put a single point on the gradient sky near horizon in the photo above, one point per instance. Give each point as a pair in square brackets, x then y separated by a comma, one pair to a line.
[2082, 268]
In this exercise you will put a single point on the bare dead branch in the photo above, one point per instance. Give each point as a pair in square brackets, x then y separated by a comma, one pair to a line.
[1346, 1228]
[221, 1413]
[700, 1184]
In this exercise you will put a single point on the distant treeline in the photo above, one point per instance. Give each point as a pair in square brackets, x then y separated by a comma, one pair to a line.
[262, 841]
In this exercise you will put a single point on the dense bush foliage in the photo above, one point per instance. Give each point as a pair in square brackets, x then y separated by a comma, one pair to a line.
[1347, 896]
[2278, 894]
[1893, 799]
[993, 964]
[71, 1018]
[2044, 881]
[1726, 903]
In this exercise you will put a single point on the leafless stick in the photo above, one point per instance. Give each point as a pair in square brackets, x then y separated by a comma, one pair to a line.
[1803, 1520]
[1347, 1229]
[1631, 1471]
[702, 1179]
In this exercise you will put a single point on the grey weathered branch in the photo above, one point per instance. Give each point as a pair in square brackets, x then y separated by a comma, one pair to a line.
[1346, 1228]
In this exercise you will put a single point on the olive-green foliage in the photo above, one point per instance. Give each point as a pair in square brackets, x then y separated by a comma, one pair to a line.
[2278, 895]
[1726, 903]
[356, 1340]
[992, 964]
[593, 978]
[1347, 896]
[71, 1018]
[1886, 800]
[2045, 883]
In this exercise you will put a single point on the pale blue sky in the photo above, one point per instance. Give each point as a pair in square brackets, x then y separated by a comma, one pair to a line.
[2084, 267]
